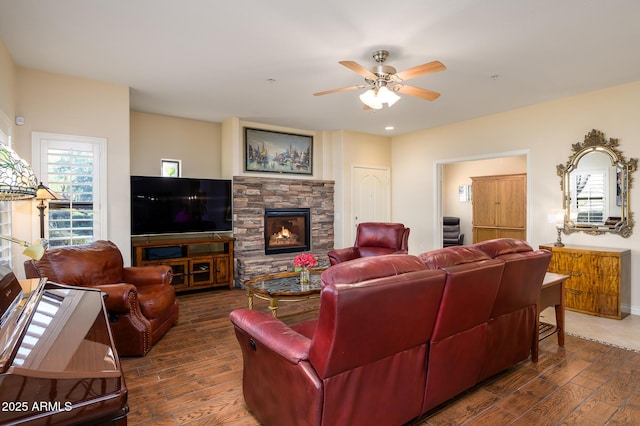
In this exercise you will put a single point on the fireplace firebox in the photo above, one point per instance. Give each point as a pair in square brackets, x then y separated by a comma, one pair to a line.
[287, 230]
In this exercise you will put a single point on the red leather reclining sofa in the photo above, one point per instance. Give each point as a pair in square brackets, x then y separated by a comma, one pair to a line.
[396, 336]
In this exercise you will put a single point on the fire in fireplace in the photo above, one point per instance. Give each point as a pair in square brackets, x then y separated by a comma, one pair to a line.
[287, 230]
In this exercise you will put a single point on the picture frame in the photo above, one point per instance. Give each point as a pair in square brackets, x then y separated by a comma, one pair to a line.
[268, 151]
[464, 193]
[171, 168]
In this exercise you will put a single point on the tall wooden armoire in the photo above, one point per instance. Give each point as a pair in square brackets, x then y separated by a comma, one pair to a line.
[499, 207]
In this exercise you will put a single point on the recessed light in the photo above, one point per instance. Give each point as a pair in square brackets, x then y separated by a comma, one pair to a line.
[389, 128]
[494, 77]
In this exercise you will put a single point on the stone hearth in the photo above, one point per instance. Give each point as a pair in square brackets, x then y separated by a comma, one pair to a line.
[251, 195]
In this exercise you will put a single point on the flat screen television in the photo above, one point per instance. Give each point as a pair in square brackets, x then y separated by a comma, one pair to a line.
[165, 205]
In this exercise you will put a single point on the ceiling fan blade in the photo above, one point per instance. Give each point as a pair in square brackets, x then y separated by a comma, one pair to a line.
[353, 66]
[419, 70]
[342, 89]
[427, 95]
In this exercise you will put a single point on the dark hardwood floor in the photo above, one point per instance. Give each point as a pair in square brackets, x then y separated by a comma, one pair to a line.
[194, 376]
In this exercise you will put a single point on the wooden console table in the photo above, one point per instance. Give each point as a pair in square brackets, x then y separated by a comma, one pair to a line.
[599, 278]
[551, 294]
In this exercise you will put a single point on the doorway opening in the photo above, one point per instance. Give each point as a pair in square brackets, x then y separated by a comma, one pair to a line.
[451, 173]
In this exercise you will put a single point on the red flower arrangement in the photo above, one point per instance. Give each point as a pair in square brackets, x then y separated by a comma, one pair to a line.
[304, 260]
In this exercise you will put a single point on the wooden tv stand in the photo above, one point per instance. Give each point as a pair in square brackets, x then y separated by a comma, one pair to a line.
[196, 262]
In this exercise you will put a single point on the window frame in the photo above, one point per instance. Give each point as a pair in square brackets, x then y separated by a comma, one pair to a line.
[40, 143]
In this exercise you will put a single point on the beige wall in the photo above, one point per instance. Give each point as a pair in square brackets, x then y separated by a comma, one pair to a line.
[195, 143]
[460, 173]
[354, 149]
[55, 103]
[547, 131]
[7, 83]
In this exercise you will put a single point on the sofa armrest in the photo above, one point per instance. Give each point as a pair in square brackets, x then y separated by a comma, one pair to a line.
[30, 269]
[121, 297]
[343, 255]
[272, 333]
[144, 275]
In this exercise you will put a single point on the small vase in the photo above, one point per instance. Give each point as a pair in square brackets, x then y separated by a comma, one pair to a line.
[304, 275]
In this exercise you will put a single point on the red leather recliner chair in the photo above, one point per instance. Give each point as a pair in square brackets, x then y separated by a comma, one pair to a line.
[374, 239]
[141, 301]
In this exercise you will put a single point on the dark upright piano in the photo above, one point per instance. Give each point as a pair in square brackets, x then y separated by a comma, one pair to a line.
[58, 362]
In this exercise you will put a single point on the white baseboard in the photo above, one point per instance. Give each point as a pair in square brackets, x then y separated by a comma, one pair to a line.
[633, 310]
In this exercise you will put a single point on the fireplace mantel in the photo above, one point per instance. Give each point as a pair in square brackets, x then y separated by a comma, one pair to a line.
[252, 195]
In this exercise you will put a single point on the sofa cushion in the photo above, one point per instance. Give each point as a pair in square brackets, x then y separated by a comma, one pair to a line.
[469, 294]
[388, 235]
[86, 265]
[368, 268]
[450, 235]
[451, 256]
[364, 323]
[501, 246]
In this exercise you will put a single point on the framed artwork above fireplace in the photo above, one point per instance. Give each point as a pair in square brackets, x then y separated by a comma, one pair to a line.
[277, 152]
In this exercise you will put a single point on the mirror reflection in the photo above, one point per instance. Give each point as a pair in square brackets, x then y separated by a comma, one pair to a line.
[595, 183]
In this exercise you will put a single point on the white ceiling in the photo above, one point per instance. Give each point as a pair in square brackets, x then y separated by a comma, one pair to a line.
[262, 60]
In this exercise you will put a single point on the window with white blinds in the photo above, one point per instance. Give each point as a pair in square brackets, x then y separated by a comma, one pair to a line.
[588, 190]
[72, 167]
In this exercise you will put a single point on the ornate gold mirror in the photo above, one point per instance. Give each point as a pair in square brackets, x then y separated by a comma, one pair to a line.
[595, 187]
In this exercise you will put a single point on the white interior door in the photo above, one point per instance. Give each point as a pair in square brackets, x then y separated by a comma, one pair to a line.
[370, 196]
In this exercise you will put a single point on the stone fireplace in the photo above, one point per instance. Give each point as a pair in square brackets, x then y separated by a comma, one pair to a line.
[287, 230]
[253, 197]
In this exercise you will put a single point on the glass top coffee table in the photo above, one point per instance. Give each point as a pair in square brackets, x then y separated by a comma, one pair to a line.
[284, 287]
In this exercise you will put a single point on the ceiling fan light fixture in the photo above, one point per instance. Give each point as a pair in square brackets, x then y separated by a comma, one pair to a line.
[370, 99]
[375, 100]
[383, 81]
[388, 96]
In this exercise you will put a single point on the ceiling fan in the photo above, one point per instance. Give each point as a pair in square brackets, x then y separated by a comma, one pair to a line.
[383, 81]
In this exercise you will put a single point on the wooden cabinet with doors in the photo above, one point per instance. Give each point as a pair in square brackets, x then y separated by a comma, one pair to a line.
[196, 263]
[599, 278]
[499, 207]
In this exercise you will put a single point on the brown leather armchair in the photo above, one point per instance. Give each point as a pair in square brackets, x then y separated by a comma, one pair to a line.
[141, 301]
[374, 239]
